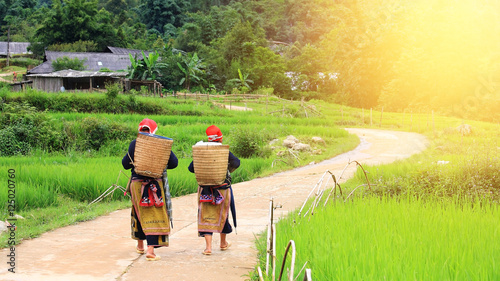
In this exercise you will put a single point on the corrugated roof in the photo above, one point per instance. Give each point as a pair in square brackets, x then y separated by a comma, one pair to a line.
[15, 48]
[93, 61]
[69, 73]
[124, 51]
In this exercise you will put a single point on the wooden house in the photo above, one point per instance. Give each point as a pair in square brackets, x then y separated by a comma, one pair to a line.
[116, 60]
[69, 79]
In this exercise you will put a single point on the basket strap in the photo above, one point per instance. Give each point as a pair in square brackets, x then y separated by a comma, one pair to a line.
[131, 161]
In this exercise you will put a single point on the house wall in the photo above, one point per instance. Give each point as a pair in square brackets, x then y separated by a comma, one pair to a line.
[47, 84]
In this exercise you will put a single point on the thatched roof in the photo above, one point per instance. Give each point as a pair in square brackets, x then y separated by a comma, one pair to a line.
[118, 60]
[15, 48]
[69, 73]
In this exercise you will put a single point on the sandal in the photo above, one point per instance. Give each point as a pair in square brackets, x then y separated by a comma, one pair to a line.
[139, 251]
[207, 253]
[225, 248]
[155, 258]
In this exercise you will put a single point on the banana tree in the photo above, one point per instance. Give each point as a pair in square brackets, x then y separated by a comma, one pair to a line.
[136, 67]
[192, 67]
[242, 81]
[147, 68]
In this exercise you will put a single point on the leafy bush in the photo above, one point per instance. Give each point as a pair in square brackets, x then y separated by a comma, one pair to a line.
[112, 89]
[9, 143]
[23, 128]
[246, 143]
[88, 104]
[25, 62]
[67, 63]
[92, 133]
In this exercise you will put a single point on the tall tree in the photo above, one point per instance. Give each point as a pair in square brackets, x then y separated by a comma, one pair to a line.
[73, 20]
[158, 13]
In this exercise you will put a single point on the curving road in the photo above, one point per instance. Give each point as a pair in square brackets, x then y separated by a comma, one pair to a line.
[101, 249]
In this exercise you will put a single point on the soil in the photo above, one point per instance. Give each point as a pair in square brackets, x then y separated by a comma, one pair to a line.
[102, 249]
[239, 108]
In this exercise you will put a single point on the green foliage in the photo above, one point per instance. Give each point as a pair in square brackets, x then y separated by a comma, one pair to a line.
[78, 20]
[78, 46]
[240, 42]
[91, 103]
[23, 129]
[25, 62]
[157, 14]
[92, 133]
[246, 143]
[67, 63]
[147, 68]
[192, 67]
[242, 81]
[351, 233]
[112, 90]
[400, 55]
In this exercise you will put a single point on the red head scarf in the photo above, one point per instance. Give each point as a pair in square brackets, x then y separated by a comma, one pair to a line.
[214, 133]
[150, 124]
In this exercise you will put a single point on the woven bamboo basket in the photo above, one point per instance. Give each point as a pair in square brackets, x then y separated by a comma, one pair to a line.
[151, 154]
[210, 163]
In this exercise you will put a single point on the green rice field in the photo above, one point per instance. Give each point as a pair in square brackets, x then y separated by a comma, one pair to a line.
[382, 238]
[434, 216]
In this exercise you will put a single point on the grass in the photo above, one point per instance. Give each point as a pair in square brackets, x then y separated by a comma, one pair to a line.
[434, 216]
[379, 238]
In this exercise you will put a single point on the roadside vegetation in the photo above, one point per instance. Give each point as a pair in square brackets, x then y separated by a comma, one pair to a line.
[434, 216]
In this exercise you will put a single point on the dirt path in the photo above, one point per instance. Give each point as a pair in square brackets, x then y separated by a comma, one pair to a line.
[102, 249]
[239, 108]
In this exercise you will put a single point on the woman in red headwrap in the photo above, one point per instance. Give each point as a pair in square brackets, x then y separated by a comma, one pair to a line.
[224, 227]
[148, 209]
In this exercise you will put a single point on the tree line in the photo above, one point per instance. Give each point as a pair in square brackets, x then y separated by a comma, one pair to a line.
[391, 54]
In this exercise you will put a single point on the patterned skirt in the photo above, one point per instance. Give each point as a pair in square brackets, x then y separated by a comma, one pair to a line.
[150, 223]
[212, 217]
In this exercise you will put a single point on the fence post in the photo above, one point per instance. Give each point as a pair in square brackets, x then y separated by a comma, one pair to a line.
[269, 235]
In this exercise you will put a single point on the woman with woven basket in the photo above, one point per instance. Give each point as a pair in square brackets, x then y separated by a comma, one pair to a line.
[151, 211]
[213, 164]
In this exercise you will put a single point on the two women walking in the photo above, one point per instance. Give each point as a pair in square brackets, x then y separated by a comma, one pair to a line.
[151, 207]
